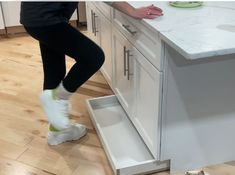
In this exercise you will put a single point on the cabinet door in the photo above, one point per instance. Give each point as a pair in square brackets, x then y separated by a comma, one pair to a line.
[89, 16]
[123, 79]
[106, 44]
[1, 18]
[11, 11]
[148, 89]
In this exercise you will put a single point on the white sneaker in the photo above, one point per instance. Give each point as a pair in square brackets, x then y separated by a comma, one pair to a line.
[74, 132]
[57, 111]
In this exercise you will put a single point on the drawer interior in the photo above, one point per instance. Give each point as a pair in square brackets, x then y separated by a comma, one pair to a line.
[125, 149]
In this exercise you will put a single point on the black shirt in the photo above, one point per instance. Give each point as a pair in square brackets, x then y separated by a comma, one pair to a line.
[38, 14]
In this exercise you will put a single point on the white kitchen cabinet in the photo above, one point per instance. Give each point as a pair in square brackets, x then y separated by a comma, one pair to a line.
[99, 29]
[1, 18]
[11, 11]
[181, 106]
[138, 86]
[143, 101]
[125, 130]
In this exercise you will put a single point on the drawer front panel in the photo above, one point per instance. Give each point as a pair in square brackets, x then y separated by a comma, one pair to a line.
[105, 9]
[143, 38]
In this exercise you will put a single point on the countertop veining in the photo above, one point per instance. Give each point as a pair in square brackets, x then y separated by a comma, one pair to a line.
[199, 32]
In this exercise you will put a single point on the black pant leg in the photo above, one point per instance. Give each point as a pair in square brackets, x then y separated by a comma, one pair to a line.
[64, 39]
[54, 67]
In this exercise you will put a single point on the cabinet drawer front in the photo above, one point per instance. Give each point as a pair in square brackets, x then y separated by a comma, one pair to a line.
[105, 9]
[143, 38]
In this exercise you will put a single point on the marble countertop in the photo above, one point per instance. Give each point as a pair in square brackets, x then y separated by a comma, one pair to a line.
[195, 33]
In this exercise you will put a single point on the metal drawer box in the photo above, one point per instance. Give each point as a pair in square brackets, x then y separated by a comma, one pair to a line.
[124, 148]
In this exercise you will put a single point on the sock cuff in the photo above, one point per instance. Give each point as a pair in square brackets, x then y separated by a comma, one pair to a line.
[62, 93]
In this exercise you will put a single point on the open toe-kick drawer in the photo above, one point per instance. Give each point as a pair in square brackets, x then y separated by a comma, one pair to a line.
[123, 145]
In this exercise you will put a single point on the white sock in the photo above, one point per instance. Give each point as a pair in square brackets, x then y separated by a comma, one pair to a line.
[62, 93]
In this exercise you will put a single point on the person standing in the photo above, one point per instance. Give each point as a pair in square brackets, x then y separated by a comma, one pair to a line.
[47, 22]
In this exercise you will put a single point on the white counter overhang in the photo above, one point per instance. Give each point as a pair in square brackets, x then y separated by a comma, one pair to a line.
[195, 33]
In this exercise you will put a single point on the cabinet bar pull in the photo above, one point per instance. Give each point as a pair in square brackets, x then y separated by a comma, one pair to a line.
[124, 53]
[128, 65]
[95, 31]
[92, 22]
[127, 27]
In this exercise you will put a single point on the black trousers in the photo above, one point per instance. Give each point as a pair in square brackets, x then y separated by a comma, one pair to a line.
[59, 40]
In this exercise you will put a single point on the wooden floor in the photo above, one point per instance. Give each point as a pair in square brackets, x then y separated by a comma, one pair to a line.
[23, 146]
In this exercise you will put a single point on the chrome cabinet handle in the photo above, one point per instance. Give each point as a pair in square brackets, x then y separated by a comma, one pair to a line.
[127, 27]
[95, 30]
[127, 56]
[92, 21]
[128, 65]
[124, 53]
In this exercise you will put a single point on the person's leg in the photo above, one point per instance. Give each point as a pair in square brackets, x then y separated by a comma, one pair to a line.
[63, 38]
[54, 67]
